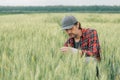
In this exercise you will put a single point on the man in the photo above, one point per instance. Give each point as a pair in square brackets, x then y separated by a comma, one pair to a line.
[82, 41]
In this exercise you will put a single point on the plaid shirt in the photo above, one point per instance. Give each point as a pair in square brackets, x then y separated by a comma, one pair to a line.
[89, 43]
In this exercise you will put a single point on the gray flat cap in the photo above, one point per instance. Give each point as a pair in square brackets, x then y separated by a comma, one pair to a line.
[68, 22]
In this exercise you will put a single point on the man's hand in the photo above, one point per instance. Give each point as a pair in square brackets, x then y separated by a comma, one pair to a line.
[69, 49]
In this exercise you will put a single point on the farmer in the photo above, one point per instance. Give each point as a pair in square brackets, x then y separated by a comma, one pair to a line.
[81, 40]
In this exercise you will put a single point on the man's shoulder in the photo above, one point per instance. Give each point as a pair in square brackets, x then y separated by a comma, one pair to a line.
[70, 39]
[88, 30]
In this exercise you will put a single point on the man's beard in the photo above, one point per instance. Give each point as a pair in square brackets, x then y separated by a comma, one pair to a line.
[71, 35]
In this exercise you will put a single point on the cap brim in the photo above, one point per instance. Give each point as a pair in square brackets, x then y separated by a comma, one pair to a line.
[67, 27]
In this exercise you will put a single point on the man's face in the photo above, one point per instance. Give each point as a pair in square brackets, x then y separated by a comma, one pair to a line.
[72, 32]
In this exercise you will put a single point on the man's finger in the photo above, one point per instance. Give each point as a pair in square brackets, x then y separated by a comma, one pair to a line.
[64, 49]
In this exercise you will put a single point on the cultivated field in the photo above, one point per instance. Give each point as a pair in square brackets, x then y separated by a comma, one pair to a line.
[30, 47]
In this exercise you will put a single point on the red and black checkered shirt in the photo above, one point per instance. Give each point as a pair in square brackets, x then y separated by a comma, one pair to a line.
[89, 43]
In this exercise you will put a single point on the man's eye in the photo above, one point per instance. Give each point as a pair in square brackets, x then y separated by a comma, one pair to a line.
[66, 30]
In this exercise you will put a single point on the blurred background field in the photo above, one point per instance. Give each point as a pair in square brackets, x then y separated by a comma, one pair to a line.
[60, 9]
[30, 47]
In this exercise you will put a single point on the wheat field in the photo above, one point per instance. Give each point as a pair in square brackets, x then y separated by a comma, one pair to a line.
[30, 47]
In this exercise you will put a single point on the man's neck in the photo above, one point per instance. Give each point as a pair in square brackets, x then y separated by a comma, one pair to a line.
[77, 39]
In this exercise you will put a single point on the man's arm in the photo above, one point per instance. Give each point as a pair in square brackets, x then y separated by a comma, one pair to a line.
[93, 45]
[69, 43]
[69, 46]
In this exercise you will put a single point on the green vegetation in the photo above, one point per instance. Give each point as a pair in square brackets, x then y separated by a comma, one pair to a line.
[30, 47]
[40, 9]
